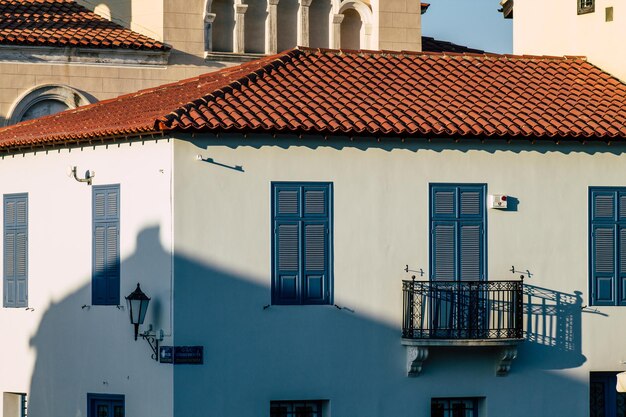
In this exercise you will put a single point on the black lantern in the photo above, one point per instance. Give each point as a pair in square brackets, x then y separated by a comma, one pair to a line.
[137, 304]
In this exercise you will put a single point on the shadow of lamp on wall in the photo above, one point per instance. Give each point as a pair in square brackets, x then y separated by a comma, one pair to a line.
[137, 303]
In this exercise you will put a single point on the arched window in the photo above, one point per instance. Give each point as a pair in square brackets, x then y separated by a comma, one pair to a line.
[223, 27]
[103, 10]
[319, 23]
[287, 24]
[351, 30]
[254, 37]
[44, 100]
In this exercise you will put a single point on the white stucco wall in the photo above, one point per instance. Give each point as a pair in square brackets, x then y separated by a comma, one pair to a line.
[354, 358]
[554, 28]
[60, 351]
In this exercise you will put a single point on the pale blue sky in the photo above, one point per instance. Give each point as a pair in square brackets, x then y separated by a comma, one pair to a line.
[473, 23]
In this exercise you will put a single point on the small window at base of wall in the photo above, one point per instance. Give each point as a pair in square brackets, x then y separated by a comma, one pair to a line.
[14, 404]
[586, 6]
[314, 408]
[454, 407]
[302, 243]
[604, 400]
[105, 405]
[105, 281]
[15, 256]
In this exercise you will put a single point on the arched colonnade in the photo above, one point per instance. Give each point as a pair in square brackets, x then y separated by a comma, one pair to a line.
[271, 26]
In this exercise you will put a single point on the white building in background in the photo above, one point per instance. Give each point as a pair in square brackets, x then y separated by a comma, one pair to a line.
[276, 220]
[591, 28]
[62, 54]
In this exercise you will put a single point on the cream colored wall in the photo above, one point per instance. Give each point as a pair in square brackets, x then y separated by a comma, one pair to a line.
[101, 82]
[143, 16]
[554, 28]
[183, 28]
[64, 348]
[381, 223]
[399, 25]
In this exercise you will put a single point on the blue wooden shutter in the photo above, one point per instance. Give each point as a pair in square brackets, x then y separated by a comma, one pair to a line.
[301, 243]
[106, 246]
[470, 239]
[457, 232]
[443, 233]
[315, 273]
[443, 248]
[16, 250]
[287, 256]
[604, 239]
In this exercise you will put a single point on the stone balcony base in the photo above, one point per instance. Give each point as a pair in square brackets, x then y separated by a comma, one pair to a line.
[417, 351]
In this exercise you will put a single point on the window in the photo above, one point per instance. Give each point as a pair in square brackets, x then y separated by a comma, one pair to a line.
[457, 232]
[105, 405]
[44, 100]
[15, 243]
[302, 243]
[296, 409]
[586, 6]
[454, 407]
[105, 284]
[607, 230]
[14, 404]
[604, 400]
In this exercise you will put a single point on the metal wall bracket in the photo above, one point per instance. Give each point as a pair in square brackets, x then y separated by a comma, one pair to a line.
[153, 341]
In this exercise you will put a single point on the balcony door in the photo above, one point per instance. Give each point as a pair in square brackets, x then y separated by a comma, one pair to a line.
[458, 303]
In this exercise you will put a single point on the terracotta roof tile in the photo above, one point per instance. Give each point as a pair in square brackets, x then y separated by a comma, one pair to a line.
[397, 94]
[64, 22]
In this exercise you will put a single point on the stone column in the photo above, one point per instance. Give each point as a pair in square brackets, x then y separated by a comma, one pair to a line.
[336, 41]
[368, 36]
[209, 18]
[239, 38]
[303, 22]
[271, 27]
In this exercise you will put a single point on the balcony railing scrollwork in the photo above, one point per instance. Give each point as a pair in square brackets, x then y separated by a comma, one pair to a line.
[475, 310]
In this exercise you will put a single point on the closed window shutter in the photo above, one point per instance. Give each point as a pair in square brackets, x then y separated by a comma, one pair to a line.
[16, 251]
[443, 243]
[608, 249]
[457, 232]
[301, 244]
[287, 274]
[470, 252]
[9, 269]
[106, 246]
[471, 213]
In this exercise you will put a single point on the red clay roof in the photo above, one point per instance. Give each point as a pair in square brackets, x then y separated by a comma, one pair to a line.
[380, 94]
[65, 23]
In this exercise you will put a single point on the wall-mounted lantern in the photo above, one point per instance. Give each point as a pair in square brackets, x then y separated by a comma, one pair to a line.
[137, 304]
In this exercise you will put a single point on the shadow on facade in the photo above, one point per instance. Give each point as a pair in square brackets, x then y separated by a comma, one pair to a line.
[553, 328]
[253, 355]
[438, 144]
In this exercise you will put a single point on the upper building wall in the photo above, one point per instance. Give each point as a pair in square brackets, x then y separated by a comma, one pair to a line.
[380, 223]
[63, 346]
[555, 28]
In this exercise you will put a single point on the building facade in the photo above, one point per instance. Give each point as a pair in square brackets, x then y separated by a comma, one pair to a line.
[395, 247]
[591, 28]
[61, 54]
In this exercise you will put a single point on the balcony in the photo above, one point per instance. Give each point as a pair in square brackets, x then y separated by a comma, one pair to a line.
[462, 313]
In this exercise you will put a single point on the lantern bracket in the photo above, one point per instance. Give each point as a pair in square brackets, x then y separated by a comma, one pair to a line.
[153, 341]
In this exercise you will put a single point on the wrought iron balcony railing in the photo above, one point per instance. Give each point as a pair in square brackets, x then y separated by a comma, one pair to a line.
[462, 310]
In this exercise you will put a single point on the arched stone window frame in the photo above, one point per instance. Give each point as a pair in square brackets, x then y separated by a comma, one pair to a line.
[365, 12]
[65, 94]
